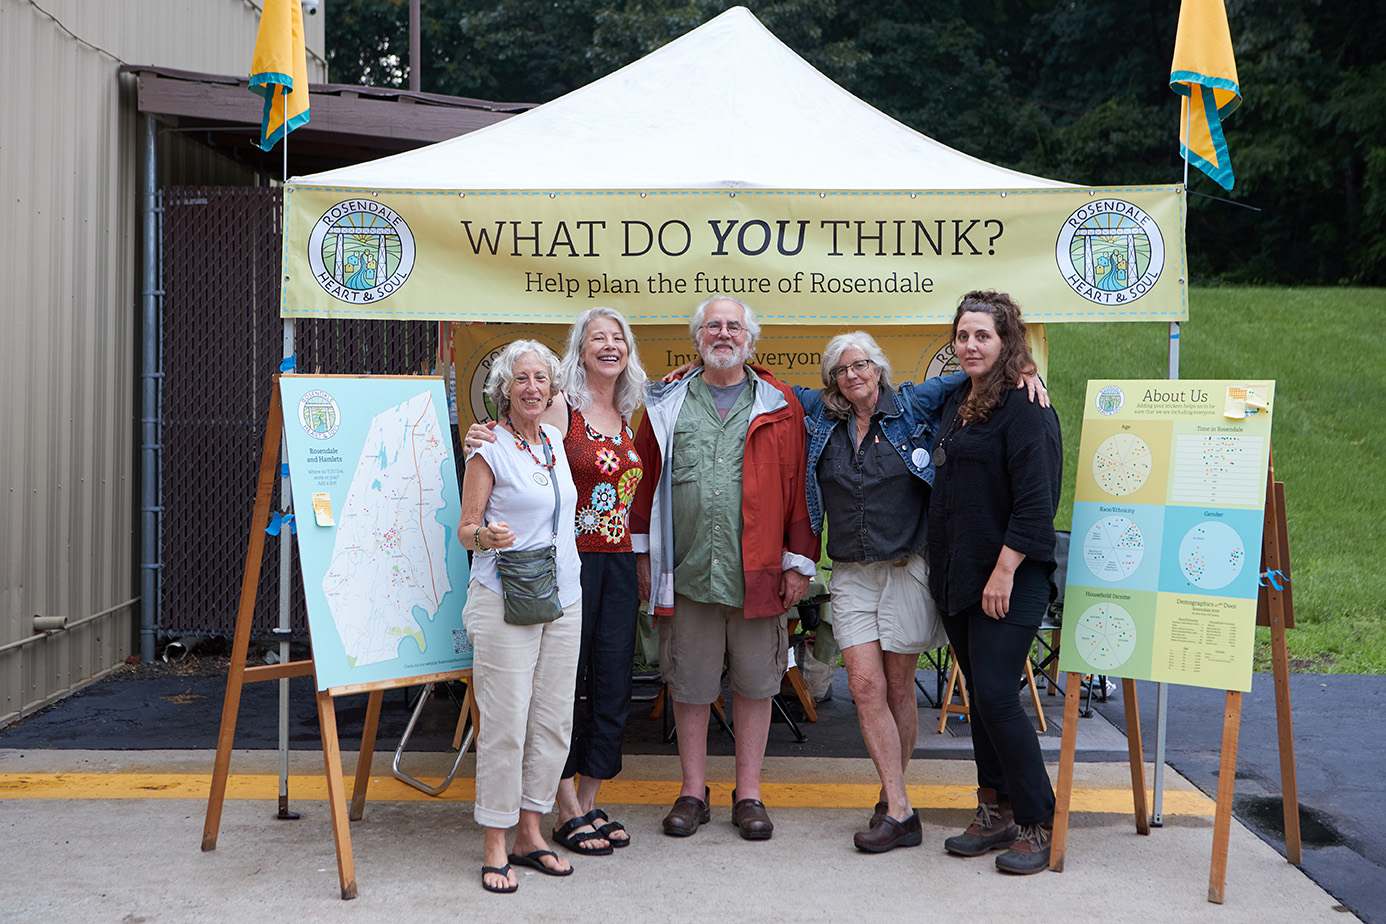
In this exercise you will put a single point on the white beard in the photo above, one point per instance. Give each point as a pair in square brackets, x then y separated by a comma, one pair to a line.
[738, 357]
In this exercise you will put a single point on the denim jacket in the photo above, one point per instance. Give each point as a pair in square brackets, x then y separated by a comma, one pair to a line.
[910, 429]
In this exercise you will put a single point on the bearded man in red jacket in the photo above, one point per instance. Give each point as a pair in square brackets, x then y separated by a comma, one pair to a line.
[722, 523]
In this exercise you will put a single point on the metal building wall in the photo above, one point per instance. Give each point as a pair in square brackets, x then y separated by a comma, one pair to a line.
[69, 312]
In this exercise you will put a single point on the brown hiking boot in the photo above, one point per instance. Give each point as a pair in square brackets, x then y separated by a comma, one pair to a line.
[1030, 852]
[992, 828]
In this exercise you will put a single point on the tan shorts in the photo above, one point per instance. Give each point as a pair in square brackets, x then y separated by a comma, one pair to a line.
[699, 638]
[886, 602]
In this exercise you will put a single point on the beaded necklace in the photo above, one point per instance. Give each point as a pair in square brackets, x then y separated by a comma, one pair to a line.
[522, 443]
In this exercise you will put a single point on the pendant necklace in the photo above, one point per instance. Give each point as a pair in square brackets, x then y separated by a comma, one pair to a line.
[940, 456]
[522, 443]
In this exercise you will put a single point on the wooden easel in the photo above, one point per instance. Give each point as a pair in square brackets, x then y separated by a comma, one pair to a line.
[1274, 608]
[239, 674]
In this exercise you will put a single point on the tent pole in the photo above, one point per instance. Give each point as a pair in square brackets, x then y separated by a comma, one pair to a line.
[285, 543]
[1157, 817]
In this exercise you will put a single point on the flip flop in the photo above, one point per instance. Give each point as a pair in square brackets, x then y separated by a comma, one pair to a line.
[607, 827]
[568, 835]
[500, 871]
[535, 860]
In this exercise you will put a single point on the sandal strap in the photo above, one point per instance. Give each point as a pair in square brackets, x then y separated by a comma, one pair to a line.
[568, 827]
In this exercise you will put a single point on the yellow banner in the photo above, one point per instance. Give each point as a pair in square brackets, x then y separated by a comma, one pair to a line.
[793, 354]
[840, 257]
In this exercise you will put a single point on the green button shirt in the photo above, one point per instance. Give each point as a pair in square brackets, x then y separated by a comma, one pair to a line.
[708, 452]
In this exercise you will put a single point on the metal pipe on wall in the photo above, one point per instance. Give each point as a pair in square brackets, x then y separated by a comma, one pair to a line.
[149, 393]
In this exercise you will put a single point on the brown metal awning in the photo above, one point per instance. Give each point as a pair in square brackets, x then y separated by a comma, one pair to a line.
[349, 124]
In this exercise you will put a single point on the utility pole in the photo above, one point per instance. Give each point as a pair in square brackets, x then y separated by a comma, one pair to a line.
[415, 58]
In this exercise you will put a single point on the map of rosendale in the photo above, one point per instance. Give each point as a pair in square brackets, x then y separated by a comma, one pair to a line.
[376, 503]
[383, 568]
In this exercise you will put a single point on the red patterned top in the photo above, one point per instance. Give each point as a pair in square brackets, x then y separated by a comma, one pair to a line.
[606, 470]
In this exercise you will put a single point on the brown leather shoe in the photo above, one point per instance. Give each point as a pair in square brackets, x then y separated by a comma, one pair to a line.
[687, 814]
[878, 814]
[890, 834]
[750, 816]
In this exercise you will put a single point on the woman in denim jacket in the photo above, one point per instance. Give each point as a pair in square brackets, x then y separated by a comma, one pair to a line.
[871, 473]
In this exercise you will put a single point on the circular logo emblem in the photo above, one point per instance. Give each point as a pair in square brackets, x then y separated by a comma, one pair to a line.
[1109, 400]
[483, 408]
[319, 415]
[944, 361]
[361, 251]
[1110, 252]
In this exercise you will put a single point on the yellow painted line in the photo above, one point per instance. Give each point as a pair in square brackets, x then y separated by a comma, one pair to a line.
[313, 787]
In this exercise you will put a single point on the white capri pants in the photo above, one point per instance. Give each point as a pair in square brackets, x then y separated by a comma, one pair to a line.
[524, 678]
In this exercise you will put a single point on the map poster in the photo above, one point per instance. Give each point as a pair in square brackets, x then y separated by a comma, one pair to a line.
[1167, 517]
[376, 507]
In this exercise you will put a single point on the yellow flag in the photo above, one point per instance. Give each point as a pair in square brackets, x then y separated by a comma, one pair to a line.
[279, 70]
[1204, 73]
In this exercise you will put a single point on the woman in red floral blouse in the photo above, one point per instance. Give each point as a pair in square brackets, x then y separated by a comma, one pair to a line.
[604, 386]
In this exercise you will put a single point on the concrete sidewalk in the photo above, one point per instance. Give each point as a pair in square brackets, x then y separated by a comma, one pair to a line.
[128, 850]
[105, 795]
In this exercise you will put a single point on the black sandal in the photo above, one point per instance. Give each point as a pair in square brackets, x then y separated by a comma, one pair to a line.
[568, 835]
[607, 827]
[499, 871]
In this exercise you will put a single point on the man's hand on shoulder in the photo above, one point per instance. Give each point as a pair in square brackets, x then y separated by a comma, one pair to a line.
[793, 586]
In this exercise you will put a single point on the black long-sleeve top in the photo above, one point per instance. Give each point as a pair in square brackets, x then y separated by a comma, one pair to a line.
[999, 485]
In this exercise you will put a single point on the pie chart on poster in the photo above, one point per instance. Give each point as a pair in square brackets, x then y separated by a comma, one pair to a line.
[1105, 636]
[1113, 548]
[1122, 464]
[1211, 555]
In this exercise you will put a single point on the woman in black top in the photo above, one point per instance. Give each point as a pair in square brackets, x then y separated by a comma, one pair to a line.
[999, 462]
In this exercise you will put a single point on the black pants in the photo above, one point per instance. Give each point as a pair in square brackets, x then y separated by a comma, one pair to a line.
[992, 653]
[610, 607]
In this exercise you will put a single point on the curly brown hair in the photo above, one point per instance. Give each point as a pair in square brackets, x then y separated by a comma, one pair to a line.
[1013, 362]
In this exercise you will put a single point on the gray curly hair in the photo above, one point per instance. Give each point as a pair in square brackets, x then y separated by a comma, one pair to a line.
[502, 374]
[838, 406]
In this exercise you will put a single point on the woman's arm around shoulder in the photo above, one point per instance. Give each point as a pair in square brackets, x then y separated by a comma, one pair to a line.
[810, 398]
[925, 400]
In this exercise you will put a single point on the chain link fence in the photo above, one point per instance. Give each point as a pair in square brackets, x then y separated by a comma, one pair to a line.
[222, 342]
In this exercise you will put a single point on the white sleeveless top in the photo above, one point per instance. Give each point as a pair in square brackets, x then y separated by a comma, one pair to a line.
[523, 497]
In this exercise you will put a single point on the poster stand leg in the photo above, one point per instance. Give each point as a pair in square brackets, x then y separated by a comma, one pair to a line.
[245, 614]
[1227, 778]
[363, 762]
[336, 792]
[1275, 609]
[1289, 786]
[1063, 794]
[1135, 750]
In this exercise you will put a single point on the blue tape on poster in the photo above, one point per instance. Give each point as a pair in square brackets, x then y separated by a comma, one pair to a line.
[278, 522]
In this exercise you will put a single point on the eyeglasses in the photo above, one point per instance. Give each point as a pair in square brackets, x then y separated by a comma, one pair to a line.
[857, 368]
[716, 327]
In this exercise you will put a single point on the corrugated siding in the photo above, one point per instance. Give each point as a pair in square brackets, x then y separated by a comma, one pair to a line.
[69, 303]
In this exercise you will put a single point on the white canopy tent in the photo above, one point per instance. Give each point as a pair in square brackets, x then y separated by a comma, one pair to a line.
[726, 105]
[721, 158]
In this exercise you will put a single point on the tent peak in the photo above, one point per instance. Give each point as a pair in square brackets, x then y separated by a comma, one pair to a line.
[727, 104]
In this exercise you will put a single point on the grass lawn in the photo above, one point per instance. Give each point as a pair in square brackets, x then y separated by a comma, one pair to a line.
[1326, 350]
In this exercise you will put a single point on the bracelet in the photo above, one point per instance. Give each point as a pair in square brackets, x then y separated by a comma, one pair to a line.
[477, 539]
